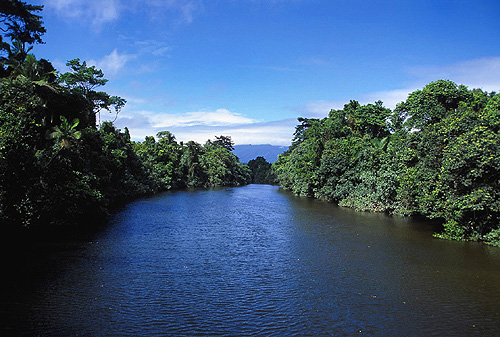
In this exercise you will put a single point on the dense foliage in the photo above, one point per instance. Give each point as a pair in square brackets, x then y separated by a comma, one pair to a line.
[59, 164]
[261, 171]
[174, 165]
[437, 154]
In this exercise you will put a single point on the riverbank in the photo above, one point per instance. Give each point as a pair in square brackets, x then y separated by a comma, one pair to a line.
[436, 154]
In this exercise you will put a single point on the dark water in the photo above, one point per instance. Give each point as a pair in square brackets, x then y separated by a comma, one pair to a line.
[254, 261]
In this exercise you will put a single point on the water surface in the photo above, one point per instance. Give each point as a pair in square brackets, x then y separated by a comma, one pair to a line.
[254, 261]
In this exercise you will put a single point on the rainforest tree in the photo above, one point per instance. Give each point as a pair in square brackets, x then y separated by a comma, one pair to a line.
[436, 155]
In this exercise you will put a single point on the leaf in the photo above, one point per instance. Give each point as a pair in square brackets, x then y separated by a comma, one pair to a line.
[76, 121]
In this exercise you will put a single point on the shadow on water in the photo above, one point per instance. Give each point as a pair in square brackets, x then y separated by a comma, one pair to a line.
[251, 261]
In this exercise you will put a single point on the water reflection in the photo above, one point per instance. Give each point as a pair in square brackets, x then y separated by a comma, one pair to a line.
[256, 261]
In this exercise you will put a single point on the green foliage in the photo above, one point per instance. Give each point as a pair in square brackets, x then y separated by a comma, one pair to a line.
[57, 168]
[261, 171]
[66, 132]
[59, 171]
[432, 103]
[224, 141]
[174, 165]
[20, 24]
[82, 80]
[162, 160]
[437, 154]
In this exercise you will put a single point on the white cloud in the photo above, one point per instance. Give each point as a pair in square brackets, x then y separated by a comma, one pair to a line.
[219, 117]
[390, 97]
[157, 48]
[106, 11]
[67, 8]
[187, 11]
[97, 12]
[111, 64]
[201, 126]
[319, 109]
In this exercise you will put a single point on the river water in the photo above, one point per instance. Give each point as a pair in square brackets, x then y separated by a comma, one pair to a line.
[253, 261]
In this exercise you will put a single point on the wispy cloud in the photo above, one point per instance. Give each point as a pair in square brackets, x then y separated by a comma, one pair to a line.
[111, 64]
[96, 12]
[186, 9]
[219, 117]
[275, 132]
[152, 47]
[100, 12]
[201, 126]
[481, 73]
[319, 109]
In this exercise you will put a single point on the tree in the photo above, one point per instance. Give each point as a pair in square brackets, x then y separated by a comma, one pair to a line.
[224, 141]
[66, 133]
[262, 172]
[191, 164]
[166, 136]
[84, 80]
[436, 155]
[19, 24]
[432, 103]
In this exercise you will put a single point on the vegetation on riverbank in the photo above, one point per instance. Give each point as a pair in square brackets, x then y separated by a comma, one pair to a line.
[437, 154]
[59, 164]
[262, 171]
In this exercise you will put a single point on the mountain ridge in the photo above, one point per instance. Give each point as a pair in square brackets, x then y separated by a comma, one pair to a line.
[247, 152]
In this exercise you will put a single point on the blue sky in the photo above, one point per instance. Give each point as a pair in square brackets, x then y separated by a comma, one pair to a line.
[249, 68]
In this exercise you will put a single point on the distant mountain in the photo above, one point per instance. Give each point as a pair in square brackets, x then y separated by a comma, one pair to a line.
[248, 152]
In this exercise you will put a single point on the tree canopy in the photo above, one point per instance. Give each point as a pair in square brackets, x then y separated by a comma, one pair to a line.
[58, 167]
[83, 79]
[20, 26]
[435, 155]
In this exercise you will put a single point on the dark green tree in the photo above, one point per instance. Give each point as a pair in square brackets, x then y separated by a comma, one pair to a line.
[225, 141]
[435, 155]
[84, 80]
[20, 27]
[262, 172]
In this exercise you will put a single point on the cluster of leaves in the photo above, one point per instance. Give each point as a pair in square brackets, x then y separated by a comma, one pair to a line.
[55, 167]
[178, 165]
[59, 165]
[437, 154]
[262, 171]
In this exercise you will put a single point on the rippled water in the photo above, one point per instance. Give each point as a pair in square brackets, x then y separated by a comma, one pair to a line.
[254, 261]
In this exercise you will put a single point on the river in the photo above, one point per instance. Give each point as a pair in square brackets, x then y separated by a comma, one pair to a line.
[253, 261]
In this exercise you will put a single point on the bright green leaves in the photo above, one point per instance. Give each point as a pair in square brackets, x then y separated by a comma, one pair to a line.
[432, 103]
[468, 185]
[66, 132]
[173, 165]
[370, 119]
[437, 154]
[82, 78]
